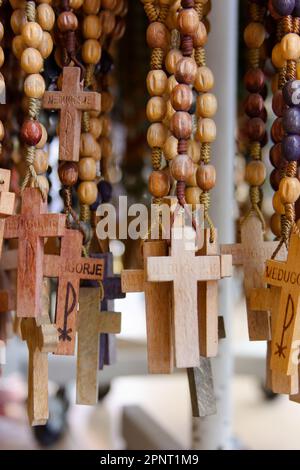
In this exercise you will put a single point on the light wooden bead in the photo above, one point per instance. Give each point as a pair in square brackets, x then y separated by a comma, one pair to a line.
[42, 182]
[34, 86]
[181, 125]
[109, 4]
[1, 56]
[91, 7]
[206, 130]
[2, 131]
[169, 113]
[40, 162]
[91, 51]
[170, 148]
[1, 31]
[289, 190]
[277, 57]
[204, 80]
[156, 135]
[43, 140]
[106, 125]
[200, 35]
[32, 34]
[207, 105]
[18, 20]
[275, 224]
[182, 98]
[107, 102]
[45, 16]
[192, 196]
[186, 71]
[31, 60]
[172, 59]
[278, 206]
[254, 35]
[194, 150]
[75, 4]
[188, 21]
[157, 36]
[87, 192]
[95, 127]
[192, 180]
[157, 82]
[206, 177]
[156, 109]
[290, 46]
[172, 83]
[87, 169]
[46, 45]
[255, 173]
[108, 22]
[181, 167]
[87, 144]
[91, 27]
[159, 184]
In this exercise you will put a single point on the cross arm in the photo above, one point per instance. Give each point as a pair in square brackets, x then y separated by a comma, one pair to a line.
[55, 225]
[12, 227]
[226, 265]
[160, 269]
[271, 274]
[52, 100]
[237, 252]
[91, 101]
[132, 280]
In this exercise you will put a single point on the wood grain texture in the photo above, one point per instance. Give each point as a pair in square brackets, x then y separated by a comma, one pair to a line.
[7, 199]
[71, 101]
[201, 386]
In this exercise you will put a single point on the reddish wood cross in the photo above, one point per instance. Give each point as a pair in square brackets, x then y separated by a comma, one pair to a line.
[72, 100]
[31, 227]
[70, 267]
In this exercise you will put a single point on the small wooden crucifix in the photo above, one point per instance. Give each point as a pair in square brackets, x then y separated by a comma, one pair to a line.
[252, 253]
[71, 100]
[92, 322]
[31, 227]
[70, 267]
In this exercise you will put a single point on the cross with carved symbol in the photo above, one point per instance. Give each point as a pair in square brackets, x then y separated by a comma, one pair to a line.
[252, 253]
[31, 227]
[286, 275]
[70, 268]
[92, 322]
[71, 100]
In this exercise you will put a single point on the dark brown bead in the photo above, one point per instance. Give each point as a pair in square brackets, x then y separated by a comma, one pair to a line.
[68, 173]
[254, 80]
[277, 132]
[276, 157]
[181, 125]
[31, 132]
[254, 105]
[67, 21]
[278, 104]
[264, 115]
[275, 178]
[256, 129]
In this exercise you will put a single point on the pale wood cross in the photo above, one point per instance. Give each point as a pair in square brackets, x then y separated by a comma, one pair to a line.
[70, 268]
[91, 322]
[7, 201]
[71, 101]
[41, 337]
[252, 253]
[286, 275]
[31, 227]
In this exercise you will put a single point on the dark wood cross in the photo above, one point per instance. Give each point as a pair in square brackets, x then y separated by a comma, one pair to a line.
[71, 101]
[70, 268]
[31, 227]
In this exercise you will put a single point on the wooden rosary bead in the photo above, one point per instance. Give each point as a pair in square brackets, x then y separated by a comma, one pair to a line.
[192, 196]
[159, 184]
[91, 27]
[200, 35]
[289, 190]
[206, 130]
[75, 4]
[278, 103]
[181, 167]
[276, 157]
[107, 102]
[17, 4]
[188, 21]
[275, 177]
[181, 125]
[2, 131]
[186, 71]
[18, 46]
[91, 7]
[34, 86]
[172, 59]
[157, 36]
[108, 22]
[207, 105]
[254, 105]
[172, 83]
[194, 151]
[91, 51]
[277, 57]
[256, 129]
[278, 206]
[18, 20]
[46, 45]
[1, 56]
[68, 173]
[95, 127]
[87, 169]
[87, 192]
[290, 46]
[157, 135]
[277, 132]
[109, 4]
[31, 60]
[156, 109]
[255, 173]
[67, 21]
[43, 140]
[254, 80]
[204, 80]
[31, 132]
[106, 125]
[182, 98]
[40, 162]
[206, 177]
[170, 148]
[45, 16]
[254, 35]
[1, 31]
[275, 224]
[157, 82]
[87, 144]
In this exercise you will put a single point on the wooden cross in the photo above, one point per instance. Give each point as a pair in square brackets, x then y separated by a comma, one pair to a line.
[31, 227]
[7, 201]
[92, 322]
[70, 267]
[286, 275]
[72, 100]
[41, 338]
[268, 300]
[185, 270]
[252, 253]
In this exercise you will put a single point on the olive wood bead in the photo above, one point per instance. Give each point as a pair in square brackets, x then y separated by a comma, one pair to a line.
[277, 57]
[181, 167]
[95, 127]
[107, 102]
[46, 45]
[204, 80]
[275, 224]
[43, 140]
[172, 59]
[68, 173]
[206, 177]
[91, 27]
[206, 130]
[200, 35]
[87, 192]
[67, 21]
[1, 56]
[45, 16]
[40, 162]
[108, 21]
[106, 125]
[91, 51]
[254, 35]
[207, 105]
[157, 36]
[255, 173]
[75, 4]
[2, 131]
[157, 82]
[91, 7]
[156, 135]
[192, 196]
[159, 184]
[192, 180]
[194, 150]
[156, 109]
[87, 169]
[170, 147]
[181, 125]
[18, 20]
[171, 84]
[31, 132]
[186, 71]
[290, 46]
[18, 46]
[34, 86]
[278, 206]
[289, 190]
[32, 34]
[182, 98]
[1, 31]
[188, 21]
[31, 60]
[106, 147]
[87, 144]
